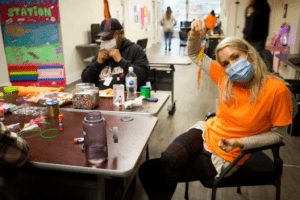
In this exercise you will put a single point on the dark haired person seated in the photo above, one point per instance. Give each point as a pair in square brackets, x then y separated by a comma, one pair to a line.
[116, 54]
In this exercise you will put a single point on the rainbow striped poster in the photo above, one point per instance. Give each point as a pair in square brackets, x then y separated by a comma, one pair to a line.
[33, 48]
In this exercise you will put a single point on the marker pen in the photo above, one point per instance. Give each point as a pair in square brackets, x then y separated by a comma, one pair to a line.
[78, 140]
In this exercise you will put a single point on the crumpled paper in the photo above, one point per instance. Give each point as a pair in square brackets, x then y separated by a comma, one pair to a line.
[134, 103]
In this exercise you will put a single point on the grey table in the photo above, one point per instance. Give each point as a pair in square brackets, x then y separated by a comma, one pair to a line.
[285, 59]
[165, 66]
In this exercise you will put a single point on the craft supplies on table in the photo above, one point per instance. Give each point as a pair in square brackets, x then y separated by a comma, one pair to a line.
[78, 140]
[23, 91]
[146, 91]
[52, 108]
[60, 122]
[85, 97]
[108, 93]
[33, 111]
[7, 107]
[2, 119]
[10, 89]
[62, 97]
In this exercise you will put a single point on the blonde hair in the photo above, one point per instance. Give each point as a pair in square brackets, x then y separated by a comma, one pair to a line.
[261, 74]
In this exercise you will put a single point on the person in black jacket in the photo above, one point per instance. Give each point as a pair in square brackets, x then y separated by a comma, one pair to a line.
[115, 56]
[257, 23]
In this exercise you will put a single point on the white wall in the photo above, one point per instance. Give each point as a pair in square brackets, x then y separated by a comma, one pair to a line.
[4, 79]
[224, 15]
[293, 19]
[133, 30]
[76, 19]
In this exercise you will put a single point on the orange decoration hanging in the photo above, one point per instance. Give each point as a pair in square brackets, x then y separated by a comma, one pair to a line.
[106, 10]
[199, 57]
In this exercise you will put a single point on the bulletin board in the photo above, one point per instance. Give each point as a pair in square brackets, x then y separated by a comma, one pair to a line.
[32, 43]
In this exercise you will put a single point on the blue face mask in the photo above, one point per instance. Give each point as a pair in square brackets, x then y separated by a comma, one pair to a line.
[240, 71]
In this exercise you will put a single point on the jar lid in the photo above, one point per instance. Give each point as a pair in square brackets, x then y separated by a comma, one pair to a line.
[93, 116]
[79, 85]
[52, 102]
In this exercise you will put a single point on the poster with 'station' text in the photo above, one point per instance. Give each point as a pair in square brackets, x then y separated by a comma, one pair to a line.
[32, 43]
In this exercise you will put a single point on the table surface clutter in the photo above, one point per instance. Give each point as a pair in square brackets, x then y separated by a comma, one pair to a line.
[52, 139]
[51, 148]
[102, 103]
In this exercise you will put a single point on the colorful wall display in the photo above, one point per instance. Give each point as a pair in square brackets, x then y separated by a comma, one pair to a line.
[142, 18]
[32, 42]
[37, 75]
[29, 11]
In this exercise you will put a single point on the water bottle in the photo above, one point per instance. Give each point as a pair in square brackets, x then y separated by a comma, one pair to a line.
[95, 141]
[131, 84]
[118, 90]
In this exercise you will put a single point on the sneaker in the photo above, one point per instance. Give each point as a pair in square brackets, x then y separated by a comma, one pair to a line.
[169, 49]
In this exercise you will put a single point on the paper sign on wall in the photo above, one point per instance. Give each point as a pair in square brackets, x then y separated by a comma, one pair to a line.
[29, 11]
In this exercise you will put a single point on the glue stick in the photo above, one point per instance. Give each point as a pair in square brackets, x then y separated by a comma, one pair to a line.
[60, 122]
[2, 116]
[120, 103]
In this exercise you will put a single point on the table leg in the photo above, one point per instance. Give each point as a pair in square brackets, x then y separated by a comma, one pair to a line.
[147, 152]
[100, 187]
[171, 108]
[276, 62]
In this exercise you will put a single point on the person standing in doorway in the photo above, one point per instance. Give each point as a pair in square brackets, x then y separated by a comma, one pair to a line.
[256, 29]
[168, 22]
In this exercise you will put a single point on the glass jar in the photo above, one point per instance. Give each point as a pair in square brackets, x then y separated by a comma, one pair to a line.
[85, 97]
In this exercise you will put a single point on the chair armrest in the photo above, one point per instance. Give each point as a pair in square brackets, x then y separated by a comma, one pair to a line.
[277, 160]
[249, 151]
[209, 115]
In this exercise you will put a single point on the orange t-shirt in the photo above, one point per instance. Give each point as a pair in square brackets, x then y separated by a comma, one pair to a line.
[242, 119]
[210, 21]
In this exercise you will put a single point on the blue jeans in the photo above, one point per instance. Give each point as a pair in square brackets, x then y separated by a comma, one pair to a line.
[168, 35]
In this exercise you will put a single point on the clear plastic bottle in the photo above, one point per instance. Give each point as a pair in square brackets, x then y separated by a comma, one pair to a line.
[131, 84]
[95, 140]
[118, 90]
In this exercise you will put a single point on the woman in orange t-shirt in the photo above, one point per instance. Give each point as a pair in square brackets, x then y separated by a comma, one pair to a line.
[255, 109]
[211, 19]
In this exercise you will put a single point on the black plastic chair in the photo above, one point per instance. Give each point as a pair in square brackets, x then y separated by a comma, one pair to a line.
[267, 57]
[183, 40]
[143, 43]
[259, 169]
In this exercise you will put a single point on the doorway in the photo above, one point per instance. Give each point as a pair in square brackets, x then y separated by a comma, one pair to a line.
[240, 6]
